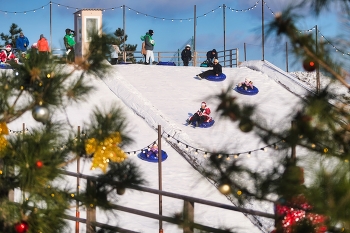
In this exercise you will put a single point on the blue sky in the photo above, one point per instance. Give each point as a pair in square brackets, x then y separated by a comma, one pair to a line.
[171, 33]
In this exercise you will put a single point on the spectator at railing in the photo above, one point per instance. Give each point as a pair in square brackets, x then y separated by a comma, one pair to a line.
[22, 42]
[186, 55]
[211, 55]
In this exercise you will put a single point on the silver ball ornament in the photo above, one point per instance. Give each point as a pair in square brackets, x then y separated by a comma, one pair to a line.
[41, 114]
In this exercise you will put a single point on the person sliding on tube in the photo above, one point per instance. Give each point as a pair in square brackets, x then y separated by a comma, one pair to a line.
[216, 71]
[202, 115]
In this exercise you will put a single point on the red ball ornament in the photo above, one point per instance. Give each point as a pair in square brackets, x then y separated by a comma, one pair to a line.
[309, 65]
[22, 227]
[39, 164]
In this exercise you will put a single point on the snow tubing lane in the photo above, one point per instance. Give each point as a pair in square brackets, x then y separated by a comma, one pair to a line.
[152, 157]
[166, 63]
[218, 78]
[204, 124]
[5, 66]
[249, 91]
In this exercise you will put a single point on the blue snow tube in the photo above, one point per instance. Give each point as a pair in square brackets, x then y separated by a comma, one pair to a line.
[204, 124]
[166, 63]
[5, 66]
[218, 78]
[249, 91]
[152, 157]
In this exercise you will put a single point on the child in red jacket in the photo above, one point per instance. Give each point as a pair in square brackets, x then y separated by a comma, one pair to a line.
[7, 54]
[202, 115]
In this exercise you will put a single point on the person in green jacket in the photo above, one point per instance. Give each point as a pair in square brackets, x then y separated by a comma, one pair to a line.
[69, 44]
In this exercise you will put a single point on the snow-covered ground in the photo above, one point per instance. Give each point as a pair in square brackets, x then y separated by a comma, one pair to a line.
[167, 95]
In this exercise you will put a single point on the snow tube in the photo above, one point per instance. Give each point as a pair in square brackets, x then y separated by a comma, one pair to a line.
[204, 124]
[152, 157]
[218, 78]
[249, 91]
[124, 63]
[166, 63]
[5, 66]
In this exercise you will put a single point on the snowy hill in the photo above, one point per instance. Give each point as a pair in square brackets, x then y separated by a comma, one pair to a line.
[167, 96]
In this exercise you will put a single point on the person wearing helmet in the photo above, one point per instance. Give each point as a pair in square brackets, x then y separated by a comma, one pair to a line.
[201, 116]
[8, 55]
[186, 55]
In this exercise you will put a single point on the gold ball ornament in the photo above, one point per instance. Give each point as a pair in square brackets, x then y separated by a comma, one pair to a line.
[224, 189]
[41, 114]
[246, 125]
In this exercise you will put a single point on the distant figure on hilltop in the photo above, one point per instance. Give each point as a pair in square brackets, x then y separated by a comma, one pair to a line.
[43, 46]
[186, 55]
[22, 42]
[69, 44]
[143, 49]
[115, 54]
[211, 55]
[149, 45]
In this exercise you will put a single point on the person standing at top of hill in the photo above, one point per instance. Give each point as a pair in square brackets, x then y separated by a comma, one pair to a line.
[22, 42]
[186, 55]
[43, 46]
[211, 55]
[69, 44]
[149, 45]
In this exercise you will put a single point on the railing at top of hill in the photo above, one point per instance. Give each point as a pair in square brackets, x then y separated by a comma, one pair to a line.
[227, 58]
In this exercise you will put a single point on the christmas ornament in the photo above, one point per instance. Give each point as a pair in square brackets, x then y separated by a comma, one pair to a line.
[295, 211]
[246, 125]
[224, 189]
[3, 131]
[39, 164]
[3, 128]
[22, 227]
[105, 151]
[120, 190]
[309, 65]
[41, 114]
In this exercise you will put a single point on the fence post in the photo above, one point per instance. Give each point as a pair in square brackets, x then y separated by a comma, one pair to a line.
[91, 209]
[188, 216]
[194, 58]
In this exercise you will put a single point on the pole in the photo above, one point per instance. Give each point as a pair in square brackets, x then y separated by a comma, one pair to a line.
[224, 15]
[262, 30]
[287, 56]
[194, 35]
[124, 55]
[160, 177]
[77, 213]
[318, 83]
[50, 26]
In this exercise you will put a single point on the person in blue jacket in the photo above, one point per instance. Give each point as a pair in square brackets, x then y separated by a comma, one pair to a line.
[211, 56]
[22, 42]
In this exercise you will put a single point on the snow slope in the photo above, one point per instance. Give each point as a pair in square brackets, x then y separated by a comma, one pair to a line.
[167, 96]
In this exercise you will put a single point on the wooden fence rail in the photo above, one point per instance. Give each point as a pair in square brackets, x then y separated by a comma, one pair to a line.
[187, 220]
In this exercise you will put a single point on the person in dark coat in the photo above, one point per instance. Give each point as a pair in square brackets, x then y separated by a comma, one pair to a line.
[216, 71]
[186, 55]
[211, 55]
